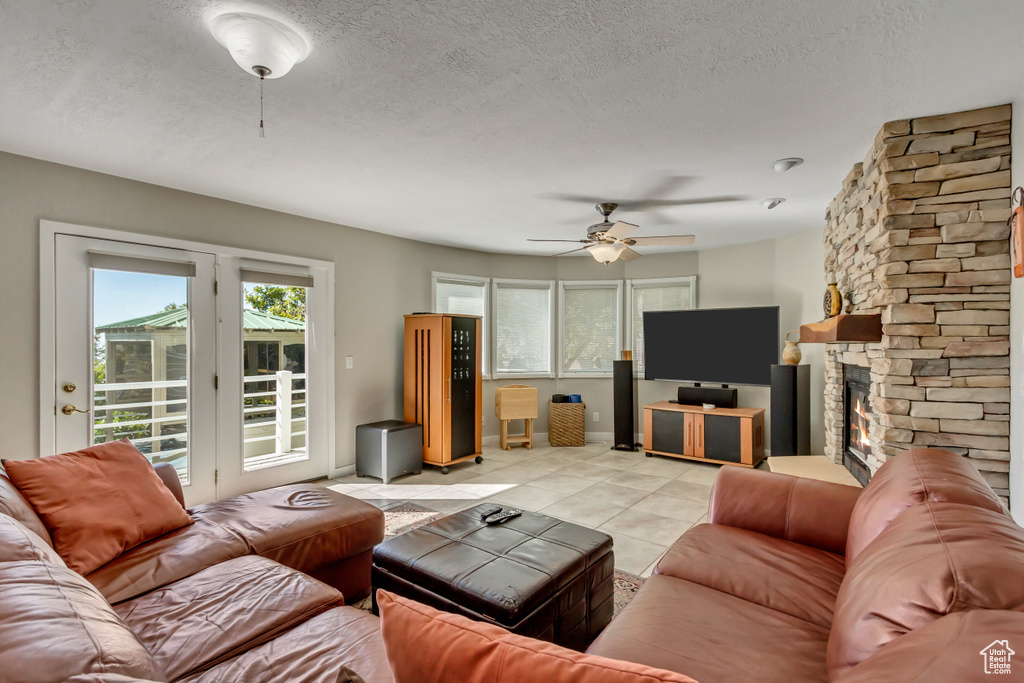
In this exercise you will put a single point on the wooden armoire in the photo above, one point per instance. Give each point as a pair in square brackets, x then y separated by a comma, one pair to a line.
[443, 385]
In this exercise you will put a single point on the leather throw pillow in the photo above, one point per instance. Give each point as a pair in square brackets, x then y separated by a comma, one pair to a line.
[97, 502]
[476, 652]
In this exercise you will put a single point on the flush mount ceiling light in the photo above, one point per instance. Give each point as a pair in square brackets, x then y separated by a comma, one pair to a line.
[606, 252]
[783, 165]
[772, 202]
[260, 45]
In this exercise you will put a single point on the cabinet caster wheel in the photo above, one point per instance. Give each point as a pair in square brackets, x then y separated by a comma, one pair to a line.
[479, 459]
[444, 470]
[649, 455]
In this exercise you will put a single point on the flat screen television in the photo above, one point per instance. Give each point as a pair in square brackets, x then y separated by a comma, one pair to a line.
[716, 345]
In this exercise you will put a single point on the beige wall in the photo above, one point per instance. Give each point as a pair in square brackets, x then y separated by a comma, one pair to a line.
[379, 278]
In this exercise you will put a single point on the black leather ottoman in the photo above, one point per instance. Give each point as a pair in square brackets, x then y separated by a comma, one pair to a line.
[533, 575]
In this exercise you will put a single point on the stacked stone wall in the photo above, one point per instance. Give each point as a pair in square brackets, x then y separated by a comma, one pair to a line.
[919, 234]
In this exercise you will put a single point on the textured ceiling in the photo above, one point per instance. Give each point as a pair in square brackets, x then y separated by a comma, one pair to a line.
[458, 122]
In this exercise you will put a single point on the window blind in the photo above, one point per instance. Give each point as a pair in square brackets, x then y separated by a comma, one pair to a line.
[522, 328]
[270, 278]
[141, 264]
[464, 298]
[590, 328]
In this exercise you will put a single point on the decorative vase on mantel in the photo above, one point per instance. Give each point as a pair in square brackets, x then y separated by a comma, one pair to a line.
[833, 302]
[791, 354]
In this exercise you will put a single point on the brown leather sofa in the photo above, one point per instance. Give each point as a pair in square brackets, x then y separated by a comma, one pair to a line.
[908, 579]
[793, 579]
[232, 597]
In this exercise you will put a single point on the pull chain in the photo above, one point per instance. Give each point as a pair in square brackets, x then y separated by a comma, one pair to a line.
[262, 72]
[262, 133]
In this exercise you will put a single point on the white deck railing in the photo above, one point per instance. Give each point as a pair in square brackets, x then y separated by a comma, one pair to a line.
[260, 409]
[282, 408]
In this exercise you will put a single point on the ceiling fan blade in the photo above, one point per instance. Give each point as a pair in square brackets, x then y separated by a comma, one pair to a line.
[534, 240]
[644, 204]
[668, 186]
[575, 198]
[663, 241]
[571, 251]
[628, 255]
[621, 229]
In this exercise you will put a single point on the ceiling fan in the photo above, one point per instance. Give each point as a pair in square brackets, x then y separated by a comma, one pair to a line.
[607, 241]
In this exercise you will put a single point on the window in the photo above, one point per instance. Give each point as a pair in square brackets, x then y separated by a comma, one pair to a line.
[590, 326]
[662, 294]
[273, 368]
[465, 295]
[522, 327]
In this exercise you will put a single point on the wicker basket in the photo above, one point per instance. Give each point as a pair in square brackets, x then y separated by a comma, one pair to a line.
[565, 424]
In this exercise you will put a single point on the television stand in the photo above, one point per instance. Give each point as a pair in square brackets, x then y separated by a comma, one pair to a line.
[725, 436]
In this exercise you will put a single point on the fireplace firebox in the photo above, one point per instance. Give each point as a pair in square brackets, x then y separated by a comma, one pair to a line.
[856, 425]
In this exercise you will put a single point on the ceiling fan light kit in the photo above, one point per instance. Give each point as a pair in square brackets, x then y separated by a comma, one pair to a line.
[606, 252]
[772, 202]
[783, 165]
[608, 242]
[262, 46]
[259, 44]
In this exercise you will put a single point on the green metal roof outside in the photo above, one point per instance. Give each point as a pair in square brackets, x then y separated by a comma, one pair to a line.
[164, 320]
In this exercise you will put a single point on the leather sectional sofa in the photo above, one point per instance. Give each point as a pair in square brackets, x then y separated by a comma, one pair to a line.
[253, 590]
[794, 579]
[909, 579]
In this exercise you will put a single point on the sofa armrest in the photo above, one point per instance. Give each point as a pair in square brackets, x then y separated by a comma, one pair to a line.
[806, 511]
[169, 476]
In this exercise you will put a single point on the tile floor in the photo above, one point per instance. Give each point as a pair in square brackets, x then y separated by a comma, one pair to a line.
[643, 503]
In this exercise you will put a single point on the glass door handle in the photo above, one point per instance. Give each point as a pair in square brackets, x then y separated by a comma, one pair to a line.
[69, 409]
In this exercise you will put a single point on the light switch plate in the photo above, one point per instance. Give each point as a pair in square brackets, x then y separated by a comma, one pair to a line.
[348, 362]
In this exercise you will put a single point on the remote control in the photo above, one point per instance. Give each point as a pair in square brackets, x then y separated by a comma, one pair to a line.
[499, 517]
[490, 511]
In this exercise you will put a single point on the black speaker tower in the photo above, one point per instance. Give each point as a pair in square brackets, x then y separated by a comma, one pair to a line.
[622, 388]
[791, 410]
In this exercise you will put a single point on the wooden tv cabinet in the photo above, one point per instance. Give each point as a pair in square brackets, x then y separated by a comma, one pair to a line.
[726, 436]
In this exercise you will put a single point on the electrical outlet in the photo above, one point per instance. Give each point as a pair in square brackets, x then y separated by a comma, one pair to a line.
[597, 416]
[348, 362]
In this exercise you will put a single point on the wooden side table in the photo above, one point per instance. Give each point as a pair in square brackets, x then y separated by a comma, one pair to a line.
[515, 402]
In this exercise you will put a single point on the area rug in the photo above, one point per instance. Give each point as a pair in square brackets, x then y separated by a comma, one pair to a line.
[408, 516]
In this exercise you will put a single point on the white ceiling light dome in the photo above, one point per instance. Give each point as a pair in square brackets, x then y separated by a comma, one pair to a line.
[260, 45]
[606, 252]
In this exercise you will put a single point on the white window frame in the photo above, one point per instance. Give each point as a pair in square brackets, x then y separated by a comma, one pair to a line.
[486, 326]
[588, 284]
[634, 283]
[549, 285]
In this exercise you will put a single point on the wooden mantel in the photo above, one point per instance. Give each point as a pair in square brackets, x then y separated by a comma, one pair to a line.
[843, 328]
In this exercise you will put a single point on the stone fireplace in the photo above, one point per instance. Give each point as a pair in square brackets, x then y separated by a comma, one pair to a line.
[919, 235]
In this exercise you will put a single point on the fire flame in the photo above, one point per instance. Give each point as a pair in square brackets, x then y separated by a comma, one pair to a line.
[858, 427]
